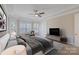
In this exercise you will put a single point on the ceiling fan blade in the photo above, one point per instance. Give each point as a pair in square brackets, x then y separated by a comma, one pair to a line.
[35, 10]
[39, 15]
[31, 14]
[42, 13]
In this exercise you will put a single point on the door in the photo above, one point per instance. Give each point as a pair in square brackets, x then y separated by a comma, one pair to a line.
[76, 40]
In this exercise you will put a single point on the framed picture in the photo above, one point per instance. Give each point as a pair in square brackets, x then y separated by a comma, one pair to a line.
[3, 20]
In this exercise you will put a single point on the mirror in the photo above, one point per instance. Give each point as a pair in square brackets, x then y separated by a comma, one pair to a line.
[3, 22]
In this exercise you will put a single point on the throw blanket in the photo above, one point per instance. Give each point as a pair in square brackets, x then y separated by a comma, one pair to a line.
[37, 44]
[45, 43]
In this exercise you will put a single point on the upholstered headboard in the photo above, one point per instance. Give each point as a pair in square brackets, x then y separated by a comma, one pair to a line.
[2, 34]
[3, 41]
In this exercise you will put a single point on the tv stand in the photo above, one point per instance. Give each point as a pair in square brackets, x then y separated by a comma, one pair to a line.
[57, 39]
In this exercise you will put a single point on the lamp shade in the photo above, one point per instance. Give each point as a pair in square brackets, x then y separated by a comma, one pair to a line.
[13, 35]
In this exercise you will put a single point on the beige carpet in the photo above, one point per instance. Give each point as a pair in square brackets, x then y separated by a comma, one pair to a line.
[69, 50]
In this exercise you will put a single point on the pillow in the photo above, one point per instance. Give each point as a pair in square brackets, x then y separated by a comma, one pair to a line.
[21, 42]
[3, 41]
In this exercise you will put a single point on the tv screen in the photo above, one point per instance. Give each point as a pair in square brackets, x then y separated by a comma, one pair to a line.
[54, 31]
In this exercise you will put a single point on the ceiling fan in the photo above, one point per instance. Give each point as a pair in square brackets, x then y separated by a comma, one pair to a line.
[37, 13]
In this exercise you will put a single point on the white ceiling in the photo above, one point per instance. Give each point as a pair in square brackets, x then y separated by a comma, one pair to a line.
[24, 10]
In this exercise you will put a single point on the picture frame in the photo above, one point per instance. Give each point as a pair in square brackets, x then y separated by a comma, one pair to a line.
[3, 20]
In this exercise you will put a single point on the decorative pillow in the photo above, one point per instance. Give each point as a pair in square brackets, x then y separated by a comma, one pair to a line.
[21, 42]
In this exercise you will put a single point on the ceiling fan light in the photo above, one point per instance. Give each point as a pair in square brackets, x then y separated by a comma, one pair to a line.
[36, 15]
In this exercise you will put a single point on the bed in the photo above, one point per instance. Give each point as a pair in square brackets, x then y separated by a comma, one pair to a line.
[35, 44]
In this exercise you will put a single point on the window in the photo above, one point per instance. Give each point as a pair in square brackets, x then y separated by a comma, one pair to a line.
[23, 28]
[36, 27]
[27, 27]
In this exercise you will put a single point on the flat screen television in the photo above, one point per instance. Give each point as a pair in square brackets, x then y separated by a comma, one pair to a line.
[54, 31]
